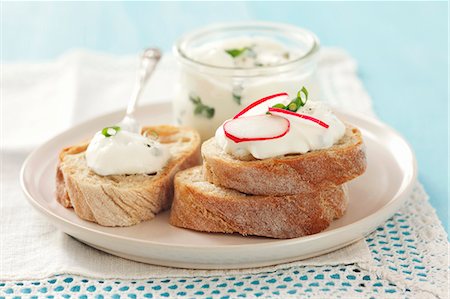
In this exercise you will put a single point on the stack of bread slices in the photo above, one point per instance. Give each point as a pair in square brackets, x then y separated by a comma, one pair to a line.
[283, 197]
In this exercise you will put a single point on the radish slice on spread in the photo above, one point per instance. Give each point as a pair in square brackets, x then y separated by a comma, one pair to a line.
[260, 106]
[257, 127]
[284, 113]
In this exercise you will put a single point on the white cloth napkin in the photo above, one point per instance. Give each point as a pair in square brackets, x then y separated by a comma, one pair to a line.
[43, 99]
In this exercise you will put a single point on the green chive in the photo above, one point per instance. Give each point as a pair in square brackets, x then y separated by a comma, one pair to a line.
[198, 110]
[237, 98]
[107, 134]
[236, 52]
[279, 105]
[303, 92]
[195, 99]
[209, 112]
[293, 106]
[296, 103]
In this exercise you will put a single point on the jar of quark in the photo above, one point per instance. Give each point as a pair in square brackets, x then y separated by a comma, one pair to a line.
[226, 67]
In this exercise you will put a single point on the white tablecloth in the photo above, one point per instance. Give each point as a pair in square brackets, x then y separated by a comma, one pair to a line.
[40, 100]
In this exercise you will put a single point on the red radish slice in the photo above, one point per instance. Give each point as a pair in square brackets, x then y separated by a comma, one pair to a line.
[256, 108]
[257, 127]
[280, 112]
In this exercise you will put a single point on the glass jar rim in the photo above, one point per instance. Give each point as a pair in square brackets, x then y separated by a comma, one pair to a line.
[291, 31]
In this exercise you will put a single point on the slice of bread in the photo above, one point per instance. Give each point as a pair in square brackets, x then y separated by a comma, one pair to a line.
[290, 174]
[202, 206]
[124, 200]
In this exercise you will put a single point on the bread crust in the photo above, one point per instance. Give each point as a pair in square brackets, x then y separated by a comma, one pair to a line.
[119, 200]
[202, 206]
[287, 175]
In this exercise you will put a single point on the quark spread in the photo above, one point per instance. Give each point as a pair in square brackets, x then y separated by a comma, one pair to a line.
[114, 151]
[303, 135]
[244, 52]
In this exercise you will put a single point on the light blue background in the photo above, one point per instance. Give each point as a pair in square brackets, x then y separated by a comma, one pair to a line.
[401, 49]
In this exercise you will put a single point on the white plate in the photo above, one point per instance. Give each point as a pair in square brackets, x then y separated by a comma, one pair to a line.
[374, 197]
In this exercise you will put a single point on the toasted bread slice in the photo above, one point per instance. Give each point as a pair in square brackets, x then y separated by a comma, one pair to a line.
[202, 206]
[124, 200]
[287, 175]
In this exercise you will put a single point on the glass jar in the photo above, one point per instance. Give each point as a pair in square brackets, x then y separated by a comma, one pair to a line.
[210, 93]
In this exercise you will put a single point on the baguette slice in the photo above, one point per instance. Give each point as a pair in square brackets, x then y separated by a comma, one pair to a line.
[202, 206]
[124, 200]
[287, 175]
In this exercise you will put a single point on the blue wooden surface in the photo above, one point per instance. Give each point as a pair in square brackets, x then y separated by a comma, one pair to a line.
[401, 48]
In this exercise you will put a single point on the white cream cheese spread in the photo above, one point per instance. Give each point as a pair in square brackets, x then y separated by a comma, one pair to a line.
[114, 151]
[302, 135]
[244, 52]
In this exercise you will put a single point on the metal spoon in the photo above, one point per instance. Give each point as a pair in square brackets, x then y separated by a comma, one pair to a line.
[149, 59]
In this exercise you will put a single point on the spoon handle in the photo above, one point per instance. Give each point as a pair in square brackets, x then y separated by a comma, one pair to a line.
[149, 59]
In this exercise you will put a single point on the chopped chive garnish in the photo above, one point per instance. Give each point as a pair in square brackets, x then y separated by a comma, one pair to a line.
[282, 106]
[208, 112]
[303, 92]
[237, 98]
[236, 52]
[237, 92]
[200, 108]
[195, 100]
[293, 107]
[295, 104]
[110, 131]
